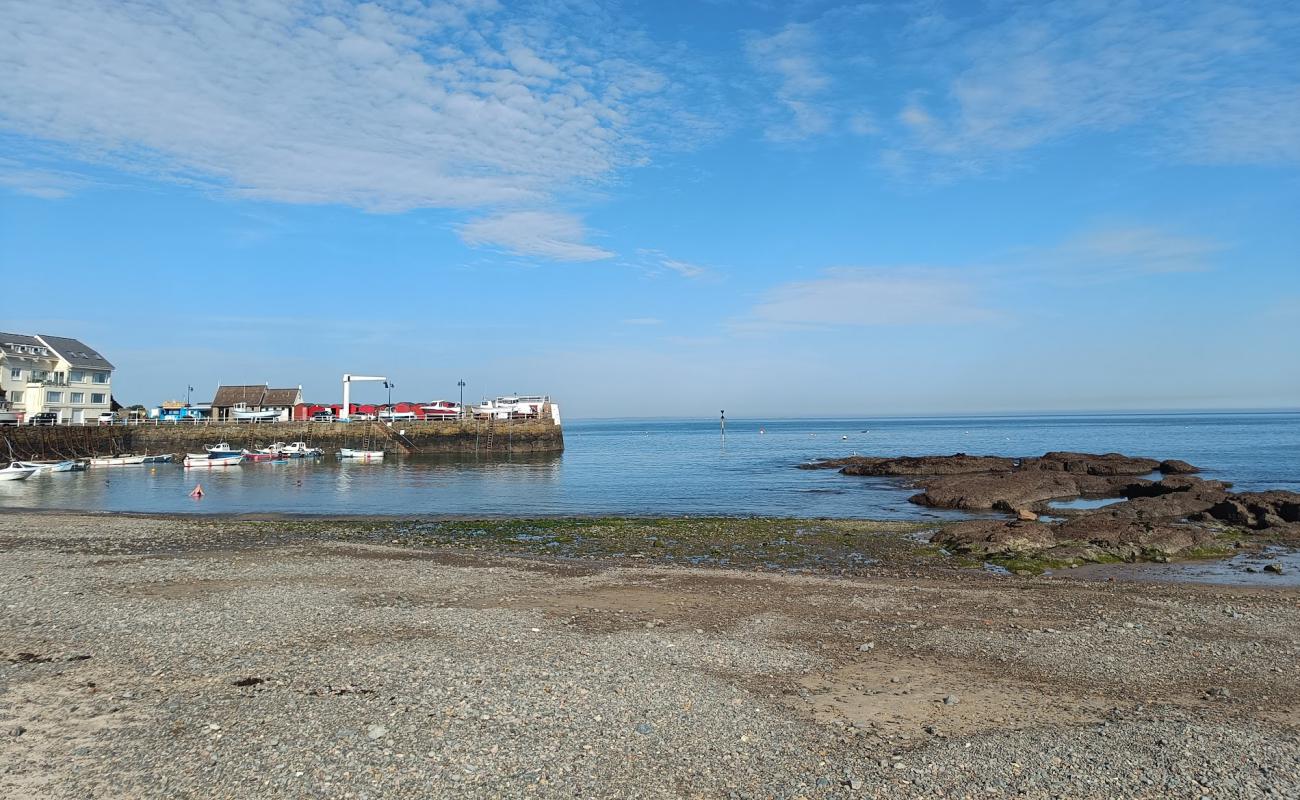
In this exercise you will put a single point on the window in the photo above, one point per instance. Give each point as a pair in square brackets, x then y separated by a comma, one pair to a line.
[16, 374]
[54, 397]
[16, 396]
[101, 377]
[78, 397]
[77, 376]
[97, 398]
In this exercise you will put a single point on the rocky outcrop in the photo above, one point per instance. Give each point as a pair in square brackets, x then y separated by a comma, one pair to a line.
[1154, 519]
[909, 466]
[1258, 510]
[1011, 491]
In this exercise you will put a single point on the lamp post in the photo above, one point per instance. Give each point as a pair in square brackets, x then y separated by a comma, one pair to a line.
[389, 386]
[461, 384]
[188, 390]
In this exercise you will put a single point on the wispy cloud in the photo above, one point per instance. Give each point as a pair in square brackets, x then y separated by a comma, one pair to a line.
[550, 235]
[1047, 71]
[657, 262]
[36, 181]
[789, 59]
[1130, 250]
[867, 296]
[385, 107]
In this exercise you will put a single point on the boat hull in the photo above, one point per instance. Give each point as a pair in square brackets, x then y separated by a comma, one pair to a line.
[117, 461]
[361, 455]
[207, 460]
[16, 474]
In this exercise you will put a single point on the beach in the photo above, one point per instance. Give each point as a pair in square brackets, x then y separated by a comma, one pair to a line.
[191, 657]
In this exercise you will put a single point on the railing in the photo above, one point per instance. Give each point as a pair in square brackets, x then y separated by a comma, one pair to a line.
[193, 422]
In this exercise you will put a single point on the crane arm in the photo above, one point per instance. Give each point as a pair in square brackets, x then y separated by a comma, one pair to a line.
[348, 378]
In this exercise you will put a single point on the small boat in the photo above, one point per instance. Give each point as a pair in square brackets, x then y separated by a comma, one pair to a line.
[274, 449]
[16, 472]
[116, 461]
[361, 455]
[441, 409]
[259, 457]
[161, 458]
[213, 459]
[299, 450]
[222, 448]
[46, 467]
[243, 415]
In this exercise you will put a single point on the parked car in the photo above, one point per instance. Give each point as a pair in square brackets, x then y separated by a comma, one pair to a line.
[45, 418]
[323, 416]
[106, 418]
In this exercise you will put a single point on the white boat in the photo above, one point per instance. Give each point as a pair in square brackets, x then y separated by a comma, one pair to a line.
[221, 448]
[116, 461]
[441, 409]
[299, 450]
[46, 467]
[16, 472]
[362, 455]
[244, 415]
[512, 406]
[214, 459]
[161, 458]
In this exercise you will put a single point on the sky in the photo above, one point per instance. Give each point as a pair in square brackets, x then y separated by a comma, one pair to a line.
[664, 208]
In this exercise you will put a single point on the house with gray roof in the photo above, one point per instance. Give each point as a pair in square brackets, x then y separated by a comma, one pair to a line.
[254, 397]
[57, 374]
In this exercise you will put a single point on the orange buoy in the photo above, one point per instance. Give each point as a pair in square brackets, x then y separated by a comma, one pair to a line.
[198, 492]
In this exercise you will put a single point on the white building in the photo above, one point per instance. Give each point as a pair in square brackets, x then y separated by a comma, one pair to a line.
[53, 373]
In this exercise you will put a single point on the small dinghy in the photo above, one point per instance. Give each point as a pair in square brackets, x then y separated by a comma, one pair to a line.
[46, 467]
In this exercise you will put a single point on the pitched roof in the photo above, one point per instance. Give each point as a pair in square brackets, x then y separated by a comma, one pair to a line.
[10, 344]
[233, 395]
[281, 397]
[75, 352]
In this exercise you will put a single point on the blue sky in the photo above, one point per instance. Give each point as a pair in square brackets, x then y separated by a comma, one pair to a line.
[778, 208]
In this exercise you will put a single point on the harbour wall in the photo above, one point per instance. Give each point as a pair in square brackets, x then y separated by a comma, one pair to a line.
[483, 437]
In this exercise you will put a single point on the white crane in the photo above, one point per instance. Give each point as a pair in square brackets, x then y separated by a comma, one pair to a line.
[348, 378]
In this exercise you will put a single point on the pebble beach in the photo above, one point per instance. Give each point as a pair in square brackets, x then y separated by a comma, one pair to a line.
[152, 657]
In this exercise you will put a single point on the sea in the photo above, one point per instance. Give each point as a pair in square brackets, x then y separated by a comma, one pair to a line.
[677, 467]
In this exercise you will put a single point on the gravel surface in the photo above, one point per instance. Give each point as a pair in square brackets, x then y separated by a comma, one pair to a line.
[164, 658]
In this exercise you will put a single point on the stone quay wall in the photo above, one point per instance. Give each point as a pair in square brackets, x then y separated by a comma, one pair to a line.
[440, 436]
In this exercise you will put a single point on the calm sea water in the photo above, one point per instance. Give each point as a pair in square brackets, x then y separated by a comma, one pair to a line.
[677, 467]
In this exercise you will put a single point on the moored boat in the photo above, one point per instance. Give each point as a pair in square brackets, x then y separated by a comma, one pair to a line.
[361, 455]
[214, 459]
[16, 472]
[124, 460]
[300, 450]
[221, 448]
[161, 458]
[244, 415]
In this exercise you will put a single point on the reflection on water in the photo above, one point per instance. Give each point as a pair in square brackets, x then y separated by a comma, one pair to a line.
[1081, 503]
[1273, 566]
[673, 467]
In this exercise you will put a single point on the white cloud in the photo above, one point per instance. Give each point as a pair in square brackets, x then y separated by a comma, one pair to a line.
[656, 262]
[49, 184]
[1246, 126]
[1128, 250]
[858, 296]
[789, 58]
[551, 235]
[445, 104]
[1168, 71]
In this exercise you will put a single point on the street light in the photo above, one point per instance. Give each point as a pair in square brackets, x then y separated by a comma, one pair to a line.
[461, 384]
[389, 386]
[188, 389]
